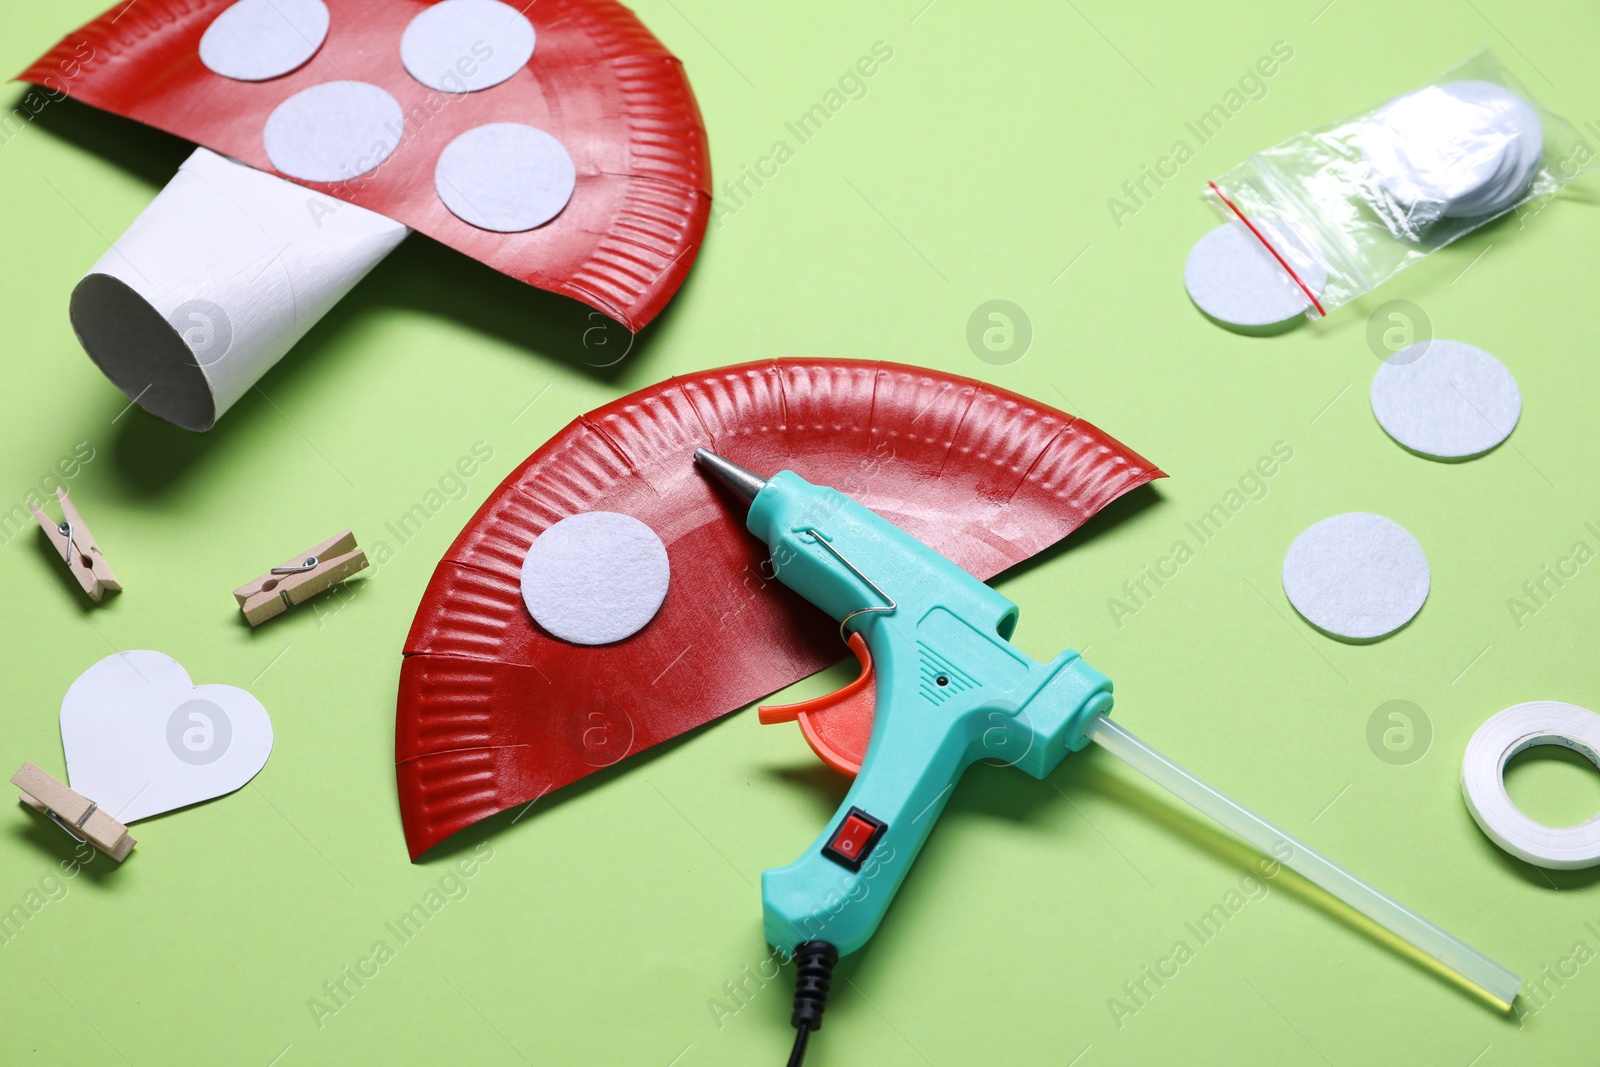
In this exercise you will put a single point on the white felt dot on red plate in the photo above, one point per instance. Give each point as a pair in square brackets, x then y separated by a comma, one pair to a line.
[1357, 575]
[255, 40]
[505, 177]
[333, 131]
[595, 577]
[462, 46]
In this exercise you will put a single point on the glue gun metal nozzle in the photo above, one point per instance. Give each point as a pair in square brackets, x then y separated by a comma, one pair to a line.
[735, 477]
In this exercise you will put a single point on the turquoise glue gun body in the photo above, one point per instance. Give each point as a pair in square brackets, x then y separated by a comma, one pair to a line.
[951, 690]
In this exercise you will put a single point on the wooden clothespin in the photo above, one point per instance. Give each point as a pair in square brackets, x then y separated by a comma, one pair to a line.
[72, 539]
[300, 579]
[79, 816]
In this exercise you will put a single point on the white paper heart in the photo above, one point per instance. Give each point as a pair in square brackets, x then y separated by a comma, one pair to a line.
[141, 738]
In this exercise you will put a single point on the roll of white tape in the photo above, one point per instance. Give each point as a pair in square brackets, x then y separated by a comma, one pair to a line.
[1483, 771]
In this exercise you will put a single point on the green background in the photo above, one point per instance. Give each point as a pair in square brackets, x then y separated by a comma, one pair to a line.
[605, 922]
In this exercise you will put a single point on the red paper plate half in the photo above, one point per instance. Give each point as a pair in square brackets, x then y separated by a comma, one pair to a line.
[598, 81]
[493, 712]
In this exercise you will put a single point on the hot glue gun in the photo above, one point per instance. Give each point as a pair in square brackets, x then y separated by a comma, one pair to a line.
[950, 690]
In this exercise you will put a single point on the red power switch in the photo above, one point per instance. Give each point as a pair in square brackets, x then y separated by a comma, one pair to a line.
[854, 840]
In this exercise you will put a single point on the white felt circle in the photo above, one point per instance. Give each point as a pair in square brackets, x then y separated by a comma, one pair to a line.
[1514, 119]
[259, 39]
[1235, 279]
[333, 131]
[595, 577]
[461, 46]
[1446, 399]
[1434, 145]
[505, 177]
[1483, 782]
[1469, 148]
[1356, 575]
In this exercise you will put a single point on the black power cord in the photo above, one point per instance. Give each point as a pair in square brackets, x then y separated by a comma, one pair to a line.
[813, 971]
[798, 1053]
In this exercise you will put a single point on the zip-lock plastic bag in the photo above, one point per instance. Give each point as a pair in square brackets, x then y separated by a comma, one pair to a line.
[1344, 207]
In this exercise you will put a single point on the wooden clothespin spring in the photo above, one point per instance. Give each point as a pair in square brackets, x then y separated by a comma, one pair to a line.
[79, 816]
[300, 579]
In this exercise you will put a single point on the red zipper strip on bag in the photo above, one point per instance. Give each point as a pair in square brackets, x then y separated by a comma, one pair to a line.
[1268, 245]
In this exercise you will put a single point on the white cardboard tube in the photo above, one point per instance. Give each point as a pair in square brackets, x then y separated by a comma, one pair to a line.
[219, 277]
[1483, 782]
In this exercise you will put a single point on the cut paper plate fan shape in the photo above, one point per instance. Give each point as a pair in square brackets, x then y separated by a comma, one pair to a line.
[494, 712]
[558, 143]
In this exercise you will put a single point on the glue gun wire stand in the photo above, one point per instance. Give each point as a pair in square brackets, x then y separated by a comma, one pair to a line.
[939, 642]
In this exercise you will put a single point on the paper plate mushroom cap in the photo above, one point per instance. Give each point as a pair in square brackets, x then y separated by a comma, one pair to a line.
[558, 143]
[494, 711]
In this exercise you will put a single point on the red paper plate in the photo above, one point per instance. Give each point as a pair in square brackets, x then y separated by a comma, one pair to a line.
[493, 712]
[598, 81]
